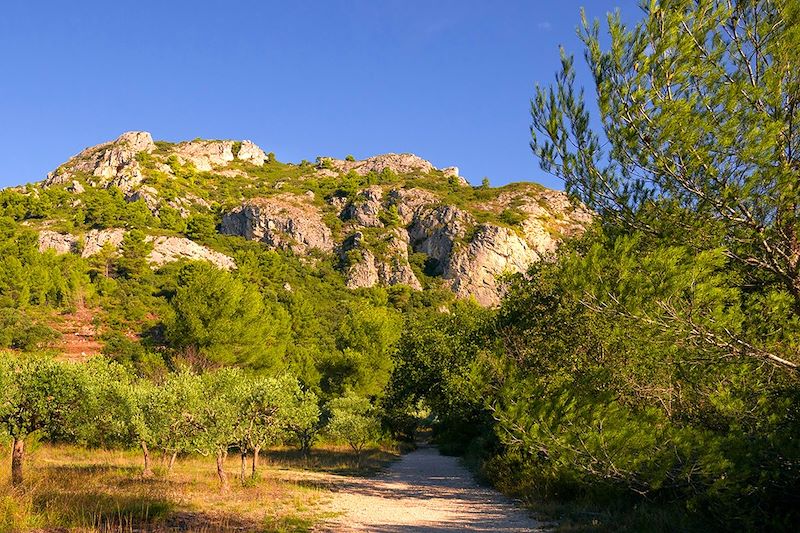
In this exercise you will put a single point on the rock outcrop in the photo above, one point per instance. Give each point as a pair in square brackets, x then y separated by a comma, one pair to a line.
[365, 269]
[366, 209]
[398, 163]
[95, 239]
[60, 243]
[169, 249]
[112, 163]
[165, 249]
[146, 194]
[209, 155]
[471, 257]
[435, 232]
[287, 222]
[410, 202]
[493, 251]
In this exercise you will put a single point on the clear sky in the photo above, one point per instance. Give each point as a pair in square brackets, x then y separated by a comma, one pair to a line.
[449, 80]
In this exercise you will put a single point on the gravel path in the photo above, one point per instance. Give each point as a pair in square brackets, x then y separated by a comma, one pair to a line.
[423, 492]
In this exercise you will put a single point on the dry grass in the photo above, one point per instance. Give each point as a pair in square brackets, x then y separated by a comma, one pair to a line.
[334, 459]
[69, 488]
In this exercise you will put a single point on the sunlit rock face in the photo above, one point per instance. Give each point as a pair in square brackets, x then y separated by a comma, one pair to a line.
[286, 222]
[409, 223]
[111, 163]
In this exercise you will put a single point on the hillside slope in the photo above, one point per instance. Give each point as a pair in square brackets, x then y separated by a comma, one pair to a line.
[392, 219]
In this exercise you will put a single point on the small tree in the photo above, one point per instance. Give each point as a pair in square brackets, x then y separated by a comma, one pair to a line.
[302, 418]
[263, 404]
[353, 420]
[106, 414]
[220, 415]
[132, 262]
[201, 227]
[37, 394]
[172, 416]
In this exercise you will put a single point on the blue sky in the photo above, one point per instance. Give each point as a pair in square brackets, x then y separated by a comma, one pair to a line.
[449, 80]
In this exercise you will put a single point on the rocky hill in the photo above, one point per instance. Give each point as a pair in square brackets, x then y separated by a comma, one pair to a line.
[390, 219]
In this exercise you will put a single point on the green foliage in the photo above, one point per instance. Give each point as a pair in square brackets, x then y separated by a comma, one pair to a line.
[169, 416]
[171, 219]
[365, 341]
[107, 208]
[19, 331]
[353, 420]
[512, 217]
[28, 277]
[201, 227]
[686, 305]
[735, 165]
[301, 417]
[39, 395]
[132, 263]
[218, 318]
[390, 217]
[435, 362]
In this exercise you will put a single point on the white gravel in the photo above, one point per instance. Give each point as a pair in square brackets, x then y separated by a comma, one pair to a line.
[423, 492]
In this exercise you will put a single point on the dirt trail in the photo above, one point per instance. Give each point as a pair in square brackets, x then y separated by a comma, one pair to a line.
[423, 492]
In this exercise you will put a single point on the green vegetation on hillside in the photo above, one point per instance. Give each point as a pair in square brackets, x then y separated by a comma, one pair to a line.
[649, 375]
[645, 377]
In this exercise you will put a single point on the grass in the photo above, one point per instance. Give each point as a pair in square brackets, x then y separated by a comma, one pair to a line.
[69, 488]
[335, 459]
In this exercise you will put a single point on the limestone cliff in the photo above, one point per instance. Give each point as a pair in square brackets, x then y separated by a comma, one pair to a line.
[391, 219]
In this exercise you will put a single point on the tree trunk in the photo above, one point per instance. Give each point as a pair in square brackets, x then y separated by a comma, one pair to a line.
[256, 451]
[243, 455]
[147, 471]
[223, 477]
[17, 456]
[171, 462]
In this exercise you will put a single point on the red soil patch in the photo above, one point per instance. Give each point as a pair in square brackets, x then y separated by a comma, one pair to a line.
[79, 335]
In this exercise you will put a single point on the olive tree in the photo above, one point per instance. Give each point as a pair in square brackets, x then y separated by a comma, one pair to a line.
[171, 416]
[353, 421]
[37, 395]
[302, 418]
[219, 416]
